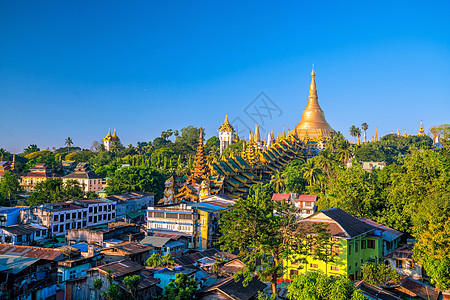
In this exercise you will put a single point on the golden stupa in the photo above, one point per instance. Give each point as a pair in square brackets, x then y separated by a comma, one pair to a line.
[313, 123]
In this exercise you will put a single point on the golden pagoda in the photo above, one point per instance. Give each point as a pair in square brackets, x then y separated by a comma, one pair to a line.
[257, 137]
[200, 168]
[226, 126]
[421, 131]
[108, 136]
[376, 134]
[405, 135]
[313, 121]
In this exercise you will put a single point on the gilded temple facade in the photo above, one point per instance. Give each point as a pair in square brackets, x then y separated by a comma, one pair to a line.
[234, 173]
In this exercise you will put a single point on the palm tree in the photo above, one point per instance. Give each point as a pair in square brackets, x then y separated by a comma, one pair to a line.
[68, 142]
[325, 160]
[364, 127]
[311, 171]
[344, 151]
[354, 131]
[278, 181]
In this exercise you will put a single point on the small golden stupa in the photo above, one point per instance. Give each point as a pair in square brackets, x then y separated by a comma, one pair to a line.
[313, 123]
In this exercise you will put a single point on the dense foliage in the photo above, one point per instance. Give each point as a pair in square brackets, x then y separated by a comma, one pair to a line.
[182, 288]
[318, 286]
[265, 233]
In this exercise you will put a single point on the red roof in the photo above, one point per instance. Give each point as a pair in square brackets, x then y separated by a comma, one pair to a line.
[306, 198]
[279, 197]
[27, 251]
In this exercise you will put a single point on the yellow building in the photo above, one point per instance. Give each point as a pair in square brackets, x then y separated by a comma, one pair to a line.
[354, 243]
[40, 172]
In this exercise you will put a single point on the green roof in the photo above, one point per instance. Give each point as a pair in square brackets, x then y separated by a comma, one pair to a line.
[135, 214]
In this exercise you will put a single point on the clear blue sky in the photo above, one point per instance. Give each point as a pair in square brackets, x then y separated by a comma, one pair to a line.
[77, 68]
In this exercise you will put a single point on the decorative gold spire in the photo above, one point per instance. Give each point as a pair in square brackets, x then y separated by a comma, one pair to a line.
[257, 137]
[376, 134]
[226, 126]
[359, 141]
[313, 118]
[13, 164]
[283, 135]
[405, 135]
[200, 168]
[421, 131]
[108, 136]
[250, 140]
[398, 132]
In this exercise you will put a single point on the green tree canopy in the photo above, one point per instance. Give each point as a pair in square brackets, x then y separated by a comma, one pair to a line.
[318, 286]
[183, 288]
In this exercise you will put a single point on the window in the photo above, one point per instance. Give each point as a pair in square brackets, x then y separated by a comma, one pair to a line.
[90, 209]
[314, 266]
[67, 216]
[74, 215]
[55, 228]
[158, 215]
[61, 218]
[334, 250]
[363, 244]
[95, 219]
[333, 268]
[171, 216]
[90, 219]
[399, 264]
[113, 215]
[38, 234]
[100, 208]
[413, 265]
[293, 272]
[349, 249]
[61, 228]
[84, 214]
[84, 223]
[356, 247]
[79, 215]
[67, 226]
[55, 218]
[371, 244]
[334, 239]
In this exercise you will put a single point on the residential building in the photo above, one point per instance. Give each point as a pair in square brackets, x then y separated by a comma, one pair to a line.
[167, 275]
[58, 217]
[354, 243]
[374, 292]
[100, 211]
[83, 287]
[401, 260]
[89, 181]
[40, 172]
[306, 204]
[409, 288]
[23, 234]
[132, 201]
[4, 167]
[370, 165]
[164, 245]
[120, 231]
[228, 288]
[391, 237]
[133, 251]
[9, 216]
[200, 221]
[77, 262]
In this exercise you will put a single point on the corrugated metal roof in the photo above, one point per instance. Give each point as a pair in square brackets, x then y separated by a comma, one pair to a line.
[35, 252]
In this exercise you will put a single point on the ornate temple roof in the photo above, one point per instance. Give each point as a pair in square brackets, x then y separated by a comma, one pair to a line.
[313, 123]
[112, 137]
[226, 126]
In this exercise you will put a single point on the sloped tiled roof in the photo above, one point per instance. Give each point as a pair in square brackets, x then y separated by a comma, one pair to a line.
[340, 223]
[35, 252]
[120, 268]
[280, 197]
[233, 289]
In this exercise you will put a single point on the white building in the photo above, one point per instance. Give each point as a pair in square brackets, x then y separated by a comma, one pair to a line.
[100, 211]
[89, 181]
[131, 201]
[23, 234]
[226, 134]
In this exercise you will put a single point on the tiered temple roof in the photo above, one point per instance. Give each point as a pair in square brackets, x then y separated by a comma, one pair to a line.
[200, 168]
